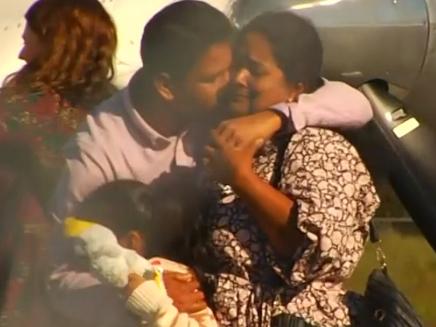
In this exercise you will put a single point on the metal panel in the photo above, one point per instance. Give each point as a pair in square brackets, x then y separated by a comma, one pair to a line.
[422, 100]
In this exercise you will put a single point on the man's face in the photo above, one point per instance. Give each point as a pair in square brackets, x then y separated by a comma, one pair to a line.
[199, 93]
[257, 82]
[235, 97]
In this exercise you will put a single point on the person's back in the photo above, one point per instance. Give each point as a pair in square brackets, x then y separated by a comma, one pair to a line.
[24, 229]
[49, 96]
[42, 104]
[44, 120]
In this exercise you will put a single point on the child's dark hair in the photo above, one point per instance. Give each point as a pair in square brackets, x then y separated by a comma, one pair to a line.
[167, 212]
[295, 43]
[122, 206]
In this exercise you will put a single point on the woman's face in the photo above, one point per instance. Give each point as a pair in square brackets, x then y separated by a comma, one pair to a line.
[259, 74]
[32, 47]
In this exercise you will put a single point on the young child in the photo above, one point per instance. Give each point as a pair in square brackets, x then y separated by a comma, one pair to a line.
[124, 221]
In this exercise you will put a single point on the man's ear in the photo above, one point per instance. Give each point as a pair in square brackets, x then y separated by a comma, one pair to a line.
[164, 86]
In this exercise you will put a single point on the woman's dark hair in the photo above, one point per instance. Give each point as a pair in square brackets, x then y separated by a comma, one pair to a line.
[79, 40]
[166, 212]
[177, 36]
[295, 43]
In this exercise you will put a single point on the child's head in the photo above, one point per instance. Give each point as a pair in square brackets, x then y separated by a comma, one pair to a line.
[122, 206]
[153, 220]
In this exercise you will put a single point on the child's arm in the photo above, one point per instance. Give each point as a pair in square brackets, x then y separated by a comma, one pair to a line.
[146, 300]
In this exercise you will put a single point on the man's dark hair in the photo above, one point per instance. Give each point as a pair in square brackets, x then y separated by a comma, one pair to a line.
[295, 43]
[177, 36]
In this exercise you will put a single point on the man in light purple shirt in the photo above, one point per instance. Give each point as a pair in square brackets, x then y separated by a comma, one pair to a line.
[142, 131]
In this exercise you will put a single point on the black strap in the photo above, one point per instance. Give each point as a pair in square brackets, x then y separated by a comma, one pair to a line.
[373, 233]
[282, 145]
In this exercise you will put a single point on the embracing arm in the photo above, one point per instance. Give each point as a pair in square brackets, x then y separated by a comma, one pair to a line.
[333, 105]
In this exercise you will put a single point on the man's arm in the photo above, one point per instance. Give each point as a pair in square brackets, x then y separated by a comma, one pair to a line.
[334, 105]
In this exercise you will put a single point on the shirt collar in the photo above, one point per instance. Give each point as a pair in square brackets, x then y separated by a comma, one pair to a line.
[157, 141]
[182, 159]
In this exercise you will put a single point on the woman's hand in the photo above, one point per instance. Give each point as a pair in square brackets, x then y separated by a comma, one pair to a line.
[228, 160]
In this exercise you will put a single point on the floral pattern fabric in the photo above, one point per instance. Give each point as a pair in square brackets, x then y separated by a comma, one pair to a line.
[22, 260]
[335, 200]
[43, 118]
[46, 122]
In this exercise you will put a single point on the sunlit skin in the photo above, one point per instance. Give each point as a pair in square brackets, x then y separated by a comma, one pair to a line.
[32, 47]
[256, 84]
[176, 103]
[208, 77]
[259, 77]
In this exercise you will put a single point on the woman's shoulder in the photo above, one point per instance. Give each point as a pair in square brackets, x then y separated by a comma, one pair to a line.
[318, 133]
[33, 101]
[10, 95]
[38, 105]
[315, 139]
